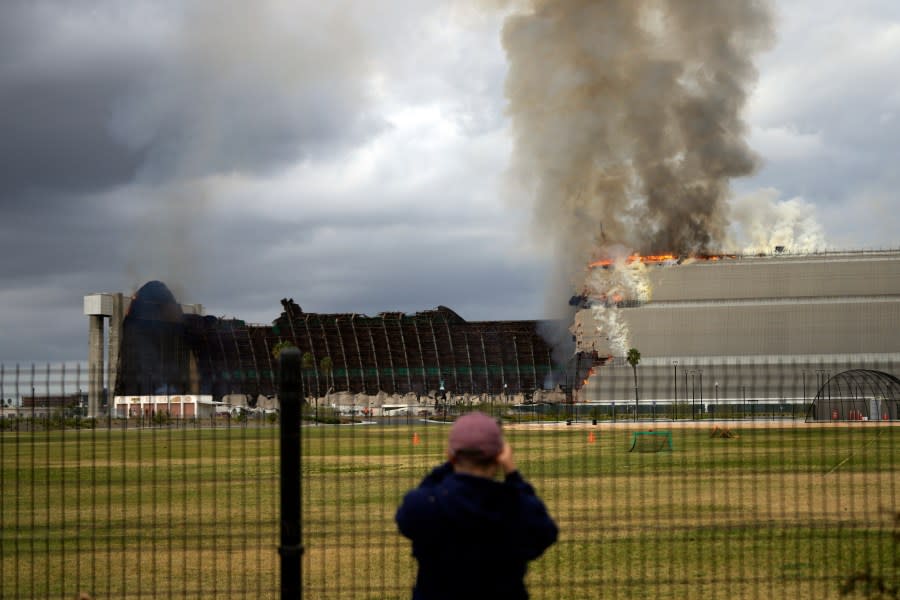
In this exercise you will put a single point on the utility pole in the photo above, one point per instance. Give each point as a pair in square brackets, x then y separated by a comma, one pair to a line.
[675, 389]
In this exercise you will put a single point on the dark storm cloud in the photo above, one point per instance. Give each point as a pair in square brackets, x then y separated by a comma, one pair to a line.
[56, 235]
[55, 106]
[374, 266]
[47, 324]
[113, 115]
[249, 88]
[55, 137]
[90, 98]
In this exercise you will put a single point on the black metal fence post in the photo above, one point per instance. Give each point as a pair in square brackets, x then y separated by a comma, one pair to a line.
[290, 394]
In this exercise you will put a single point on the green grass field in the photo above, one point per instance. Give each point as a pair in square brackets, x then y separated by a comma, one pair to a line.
[192, 513]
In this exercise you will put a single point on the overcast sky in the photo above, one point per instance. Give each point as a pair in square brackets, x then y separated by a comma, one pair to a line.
[351, 155]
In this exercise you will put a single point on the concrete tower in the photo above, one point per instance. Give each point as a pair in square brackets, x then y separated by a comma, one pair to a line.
[115, 307]
[98, 307]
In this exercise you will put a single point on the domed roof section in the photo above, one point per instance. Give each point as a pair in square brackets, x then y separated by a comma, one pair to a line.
[857, 395]
[155, 302]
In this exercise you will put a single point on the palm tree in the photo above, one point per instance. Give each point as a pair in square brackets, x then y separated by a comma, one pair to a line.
[306, 365]
[281, 347]
[634, 358]
[328, 369]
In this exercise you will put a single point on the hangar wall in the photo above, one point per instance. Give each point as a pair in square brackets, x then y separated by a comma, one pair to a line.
[814, 326]
[844, 303]
[801, 276]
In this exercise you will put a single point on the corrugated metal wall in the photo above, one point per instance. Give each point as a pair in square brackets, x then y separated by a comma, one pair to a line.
[830, 304]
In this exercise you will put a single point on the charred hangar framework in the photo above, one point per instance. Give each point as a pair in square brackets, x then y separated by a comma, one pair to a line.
[816, 312]
[399, 353]
[167, 350]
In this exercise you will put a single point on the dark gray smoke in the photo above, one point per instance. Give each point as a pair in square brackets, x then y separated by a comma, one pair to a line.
[627, 119]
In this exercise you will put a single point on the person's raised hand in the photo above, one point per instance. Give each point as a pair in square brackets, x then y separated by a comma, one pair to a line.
[505, 459]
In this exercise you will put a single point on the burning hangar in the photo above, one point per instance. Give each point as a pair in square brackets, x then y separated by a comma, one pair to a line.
[782, 305]
[773, 328]
[733, 329]
[158, 346]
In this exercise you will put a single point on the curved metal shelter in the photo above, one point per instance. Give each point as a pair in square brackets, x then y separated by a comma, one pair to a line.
[857, 395]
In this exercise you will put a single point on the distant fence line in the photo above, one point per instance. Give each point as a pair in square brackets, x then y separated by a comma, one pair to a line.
[689, 390]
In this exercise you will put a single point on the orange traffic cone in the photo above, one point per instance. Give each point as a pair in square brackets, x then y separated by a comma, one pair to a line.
[416, 439]
[591, 438]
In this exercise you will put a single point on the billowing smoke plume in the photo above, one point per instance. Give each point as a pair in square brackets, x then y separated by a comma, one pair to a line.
[628, 130]
[763, 222]
[627, 119]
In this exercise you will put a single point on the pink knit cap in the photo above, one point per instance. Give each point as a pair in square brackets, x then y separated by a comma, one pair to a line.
[476, 433]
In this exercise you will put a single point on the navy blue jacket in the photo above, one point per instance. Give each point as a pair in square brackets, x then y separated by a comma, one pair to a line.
[473, 536]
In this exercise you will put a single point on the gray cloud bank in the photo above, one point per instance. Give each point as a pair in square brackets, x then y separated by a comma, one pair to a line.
[98, 95]
[232, 150]
[351, 154]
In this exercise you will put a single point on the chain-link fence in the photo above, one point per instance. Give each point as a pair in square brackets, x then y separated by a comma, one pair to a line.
[177, 496]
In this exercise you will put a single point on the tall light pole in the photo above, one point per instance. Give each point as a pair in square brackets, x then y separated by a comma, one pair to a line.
[700, 375]
[804, 386]
[693, 398]
[717, 399]
[675, 388]
[820, 380]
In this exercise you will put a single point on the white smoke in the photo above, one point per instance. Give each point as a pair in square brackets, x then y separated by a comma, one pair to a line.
[761, 221]
[610, 325]
[625, 282]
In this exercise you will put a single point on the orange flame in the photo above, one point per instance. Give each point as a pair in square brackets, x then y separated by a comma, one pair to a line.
[589, 373]
[657, 259]
[652, 259]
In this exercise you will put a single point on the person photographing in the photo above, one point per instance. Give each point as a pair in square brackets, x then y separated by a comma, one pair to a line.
[472, 534]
